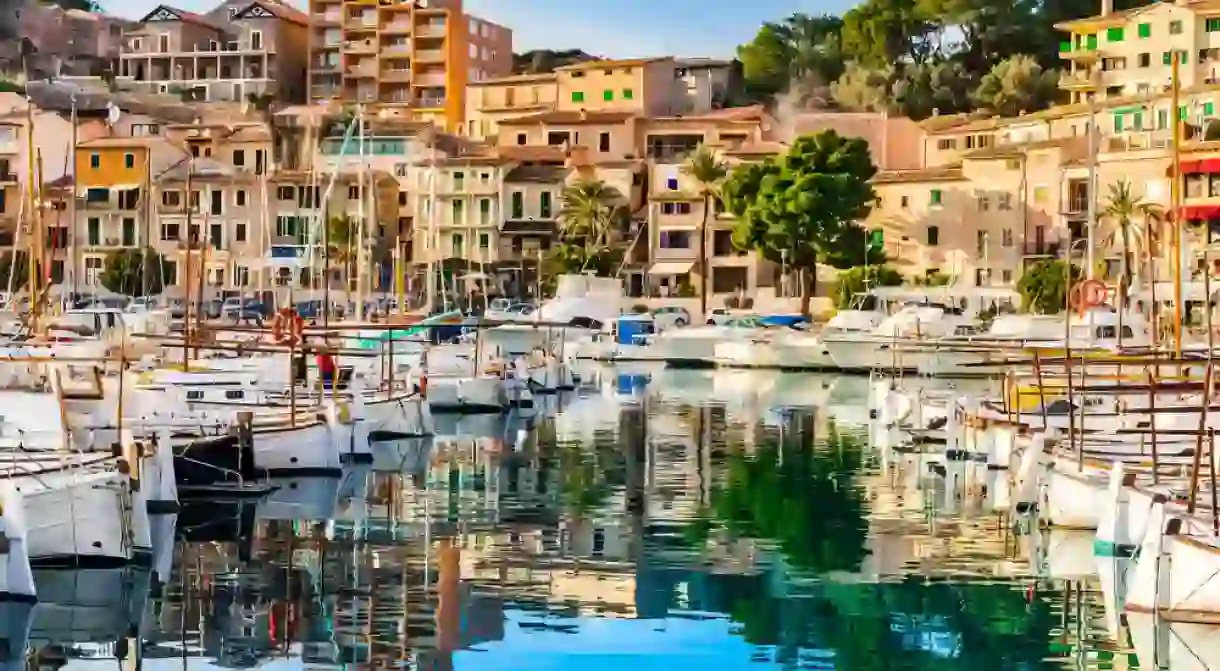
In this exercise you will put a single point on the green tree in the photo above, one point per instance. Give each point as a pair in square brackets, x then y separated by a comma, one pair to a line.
[1044, 285]
[1015, 85]
[125, 271]
[708, 171]
[877, 33]
[795, 208]
[801, 50]
[863, 89]
[590, 214]
[1128, 213]
[860, 279]
[14, 262]
[924, 89]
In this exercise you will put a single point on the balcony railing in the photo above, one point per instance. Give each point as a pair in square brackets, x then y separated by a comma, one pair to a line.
[1076, 205]
[1042, 248]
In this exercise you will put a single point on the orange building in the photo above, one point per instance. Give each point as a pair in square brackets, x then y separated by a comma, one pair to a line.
[419, 54]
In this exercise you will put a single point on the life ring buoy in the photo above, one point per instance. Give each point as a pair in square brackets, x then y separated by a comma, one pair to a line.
[288, 327]
[1088, 294]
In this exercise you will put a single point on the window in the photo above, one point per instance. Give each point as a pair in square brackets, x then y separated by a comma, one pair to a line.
[169, 232]
[95, 160]
[946, 144]
[518, 205]
[1175, 27]
[197, 394]
[983, 203]
[603, 142]
[239, 232]
[544, 204]
[94, 231]
[457, 212]
[129, 232]
[936, 196]
[256, 40]
[1118, 123]
[521, 139]
[1091, 42]
[1137, 120]
[1212, 25]
[1041, 195]
[1114, 35]
[457, 242]
[484, 240]
[675, 208]
[353, 193]
[1145, 30]
[484, 210]
[1145, 60]
[163, 43]
[905, 201]
[129, 160]
[285, 193]
[239, 157]
[675, 240]
[1182, 57]
[933, 236]
[1162, 118]
[627, 94]
[241, 197]
[1005, 201]
[578, 96]
[1006, 238]
[672, 183]
[1209, 109]
[1006, 276]
[608, 95]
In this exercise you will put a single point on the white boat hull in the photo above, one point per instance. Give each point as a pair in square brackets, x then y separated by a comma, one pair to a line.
[314, 447]
[77, 517]
[465, 394]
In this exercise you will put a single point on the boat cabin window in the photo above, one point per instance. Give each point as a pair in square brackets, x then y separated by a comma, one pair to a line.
[194, 395]
[965, 330]
[234, 394]
[1111, 331]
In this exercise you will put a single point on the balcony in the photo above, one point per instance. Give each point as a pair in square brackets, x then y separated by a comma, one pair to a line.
[430, 102]
[395, 75]
[430, 30]
[397, 27]
[1076, 204]
[1080, 81]
[330, 19]
[1086, 52]
[364, 23]
[324, 67]
[363, 70]
[400, 48]
[1041, 249]
[429, 78]
[430, 56]
[360, 46]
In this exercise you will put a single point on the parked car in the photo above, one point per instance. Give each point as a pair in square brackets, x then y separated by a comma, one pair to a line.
[719, 316]
[143, 304]
[514, 312]
[243, 309]
[670, 317]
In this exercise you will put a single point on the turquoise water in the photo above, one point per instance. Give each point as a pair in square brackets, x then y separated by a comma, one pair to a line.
[696, 520]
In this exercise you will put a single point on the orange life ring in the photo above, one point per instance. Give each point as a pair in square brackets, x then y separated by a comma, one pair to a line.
[1088, 294]
[288, 327]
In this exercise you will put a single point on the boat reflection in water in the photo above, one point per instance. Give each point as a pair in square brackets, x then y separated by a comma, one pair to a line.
[648, 527]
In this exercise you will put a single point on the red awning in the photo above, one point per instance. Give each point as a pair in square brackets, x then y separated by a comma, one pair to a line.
[1207, 165]
[1188, 167]
[1200, 212]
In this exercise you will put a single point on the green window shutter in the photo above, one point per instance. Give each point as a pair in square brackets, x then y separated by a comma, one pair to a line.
[1209, 109]
[1065, 47]
[1092, 42]
[1213, 25]
[1145, 30]
[1175, 27]
[1182, 112]
[627, 94]
[1114, 35]
[1167, 58]
[876, 239]
[608, 95]
[1118, 123]
[1137, 121]
[936, 196]
[1182, 57]
[578, 96]
[1162, 118]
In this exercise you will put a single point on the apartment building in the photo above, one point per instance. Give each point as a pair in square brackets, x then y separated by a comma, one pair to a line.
[419, 54]
[458, 213]
[114, 177]
[686, 242]
[533, 199]
[643, 86]
[242, 48]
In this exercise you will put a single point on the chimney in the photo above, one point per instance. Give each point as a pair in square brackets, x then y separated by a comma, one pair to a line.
[584, 114]
[1107, 7]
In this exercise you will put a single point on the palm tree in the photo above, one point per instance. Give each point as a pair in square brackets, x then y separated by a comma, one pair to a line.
[341, 247]
[1123, 209]
[588, 210]
[708, 171]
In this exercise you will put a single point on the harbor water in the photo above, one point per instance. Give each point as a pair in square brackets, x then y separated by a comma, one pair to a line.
[672, 519]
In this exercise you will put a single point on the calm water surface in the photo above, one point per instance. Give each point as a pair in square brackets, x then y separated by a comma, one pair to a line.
[695, 520]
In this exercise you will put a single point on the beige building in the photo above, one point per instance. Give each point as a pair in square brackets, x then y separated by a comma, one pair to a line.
[1131, 52]
[240, 49]
[417, 54]
[491, 101]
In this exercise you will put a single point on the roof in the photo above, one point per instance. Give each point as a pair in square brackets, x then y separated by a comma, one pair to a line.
[202, 167]
[959, 123]
[610, 63]
[516, 79]
[1017, 149]
[277, 9]
[530, 227]
[951, 173]
[569, 118]
[1115, 18]
[757, 149]
[184, 16]
[535, 153]
[703, 62]
[538, 174]
[126, 142]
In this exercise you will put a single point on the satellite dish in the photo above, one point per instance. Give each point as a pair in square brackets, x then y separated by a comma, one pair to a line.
[113, 113]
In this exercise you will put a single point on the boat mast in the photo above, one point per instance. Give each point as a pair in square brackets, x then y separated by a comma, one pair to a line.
[362, 185]
[1175, 196]
[31, 218]
[72, 266]
[186, 271]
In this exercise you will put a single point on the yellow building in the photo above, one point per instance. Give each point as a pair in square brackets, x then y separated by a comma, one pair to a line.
[651, 86]
[491, 101]
[419, 54]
